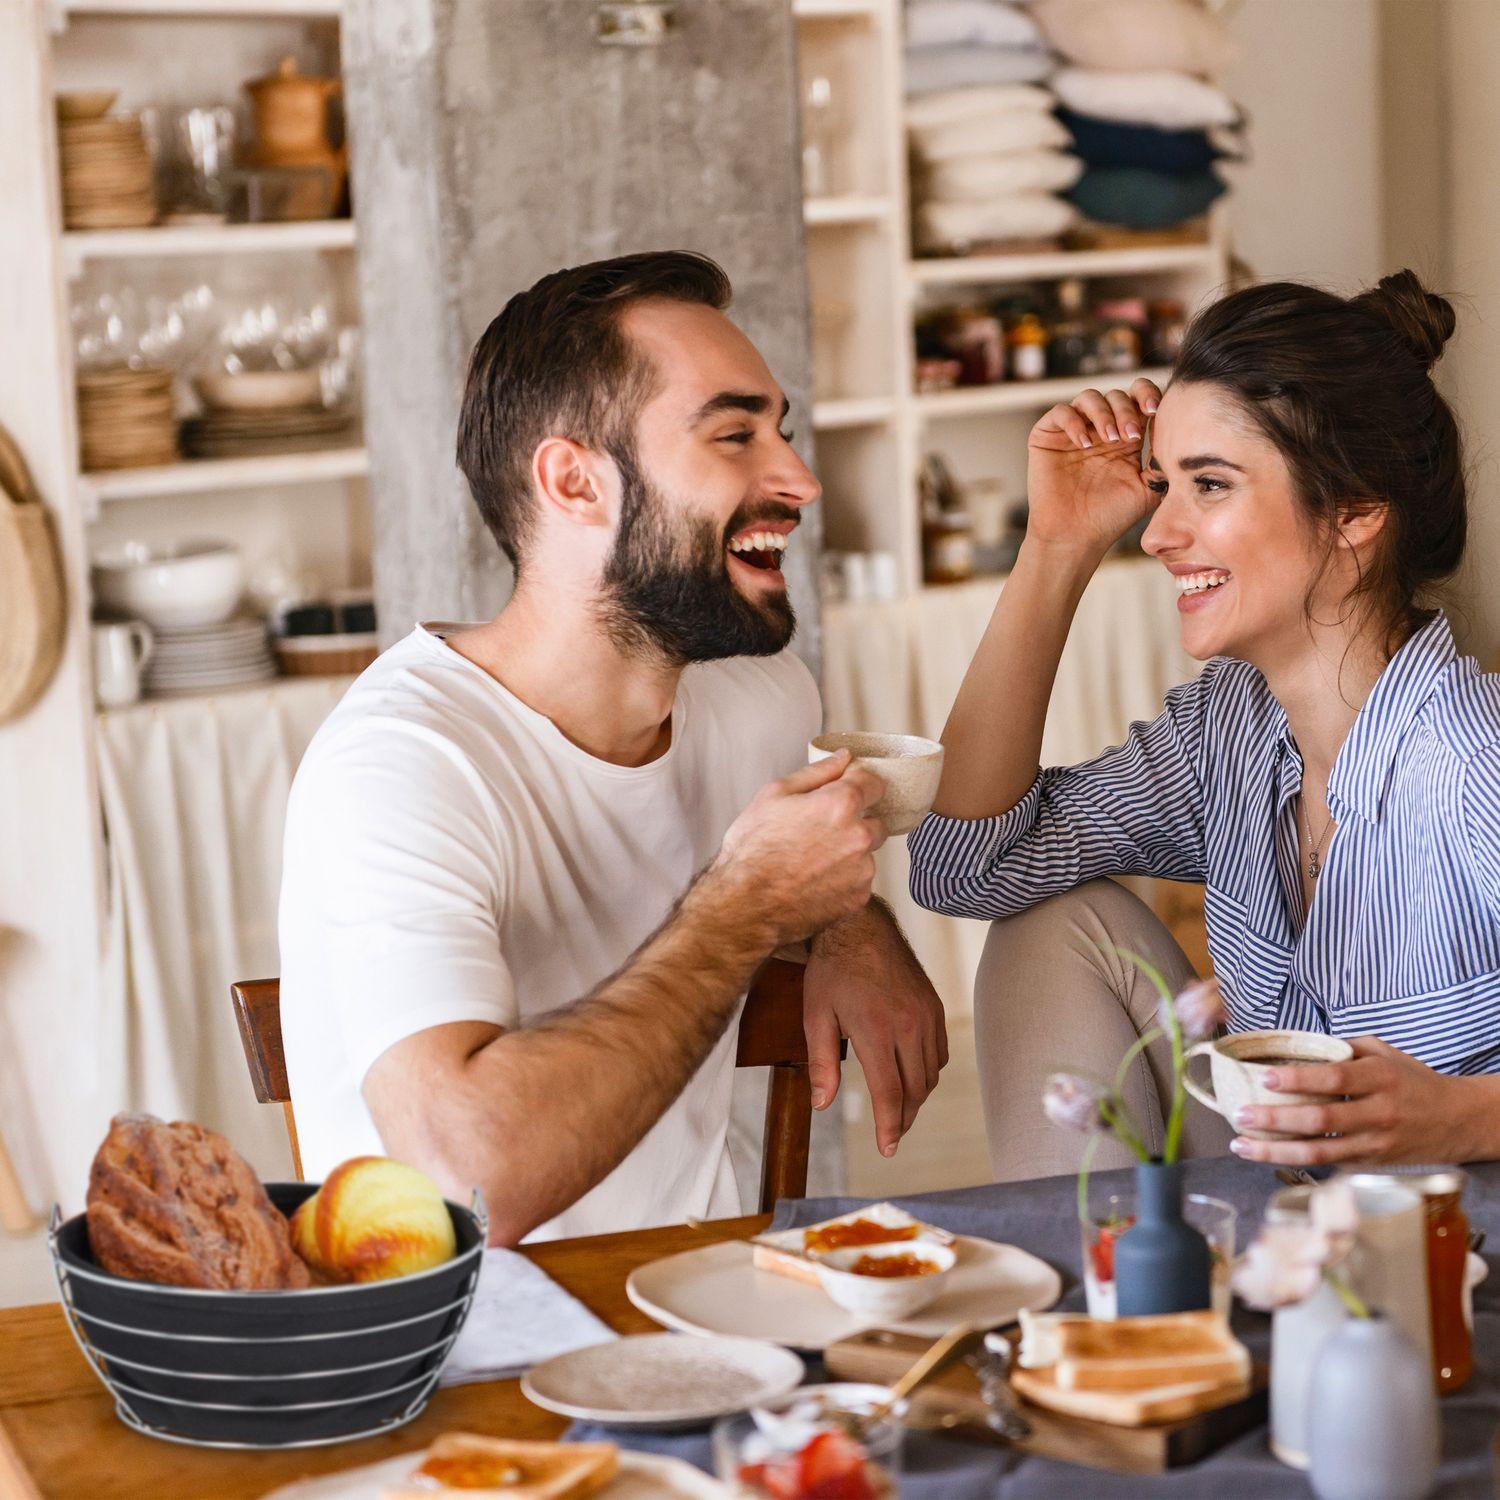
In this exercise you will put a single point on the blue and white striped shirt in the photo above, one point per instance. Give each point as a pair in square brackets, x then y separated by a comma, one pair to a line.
[1402, 939]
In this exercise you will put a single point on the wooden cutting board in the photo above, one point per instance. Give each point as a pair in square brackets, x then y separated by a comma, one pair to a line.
[1181, 1433]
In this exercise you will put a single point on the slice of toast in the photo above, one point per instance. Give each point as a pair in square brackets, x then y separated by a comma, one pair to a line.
[486, 1468]
[1134, 1354]
[786, 1252]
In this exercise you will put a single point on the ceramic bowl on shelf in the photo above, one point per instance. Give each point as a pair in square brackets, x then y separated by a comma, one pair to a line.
[260, 390]
[171, 585]
[91, 104]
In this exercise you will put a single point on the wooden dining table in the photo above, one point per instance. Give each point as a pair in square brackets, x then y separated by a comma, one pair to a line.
[61, 1440]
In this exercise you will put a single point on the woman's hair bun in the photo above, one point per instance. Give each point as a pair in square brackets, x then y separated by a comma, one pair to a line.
[1423, 320]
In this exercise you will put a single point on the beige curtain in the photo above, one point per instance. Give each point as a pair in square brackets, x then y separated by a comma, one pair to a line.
[897, 666]
[194, 796]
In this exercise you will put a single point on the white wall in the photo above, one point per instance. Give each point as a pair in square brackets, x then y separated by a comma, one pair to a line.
[1307, 206]
[1470, 89]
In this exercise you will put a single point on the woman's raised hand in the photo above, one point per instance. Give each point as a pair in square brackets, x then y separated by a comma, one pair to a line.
[1084, 483]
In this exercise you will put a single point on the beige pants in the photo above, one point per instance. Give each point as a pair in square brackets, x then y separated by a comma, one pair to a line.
[1051, 996]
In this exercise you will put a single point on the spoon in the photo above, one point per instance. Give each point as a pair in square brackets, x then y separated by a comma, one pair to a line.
[948, 1349]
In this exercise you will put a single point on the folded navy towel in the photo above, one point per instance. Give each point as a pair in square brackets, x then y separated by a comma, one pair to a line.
[1108, 143]
[1136, 198]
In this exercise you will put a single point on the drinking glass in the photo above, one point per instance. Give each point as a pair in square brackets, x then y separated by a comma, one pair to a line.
[1111, 1215]
[756, 1453]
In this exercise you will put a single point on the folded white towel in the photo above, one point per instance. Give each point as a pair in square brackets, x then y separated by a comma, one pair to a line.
[988, 135]
[978, 23]
[949, 106]
[931, 68]
[520, 1316]
[960, 227]
[970, 179]
[1169, 101]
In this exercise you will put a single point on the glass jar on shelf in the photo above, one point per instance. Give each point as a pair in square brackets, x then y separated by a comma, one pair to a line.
[974, 337]
[1026, 348]
[947, 526]
[1164, 334]
[1070, 343]
[1122, 329]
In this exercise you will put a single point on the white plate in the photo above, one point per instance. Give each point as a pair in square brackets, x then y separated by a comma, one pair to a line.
[660, 1380]
[717, 1290]
[642, 1476]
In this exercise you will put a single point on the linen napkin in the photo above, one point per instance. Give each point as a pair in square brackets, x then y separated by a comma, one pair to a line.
[520, 1317]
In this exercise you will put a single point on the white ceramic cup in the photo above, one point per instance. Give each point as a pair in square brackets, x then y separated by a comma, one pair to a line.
[1239, 1080]
[910, 767]
[121, 652]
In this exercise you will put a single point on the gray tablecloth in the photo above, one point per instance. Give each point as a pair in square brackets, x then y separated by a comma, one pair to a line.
[1041, 1216]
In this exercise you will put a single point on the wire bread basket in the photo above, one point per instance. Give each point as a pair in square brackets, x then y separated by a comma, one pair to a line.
[267, 1369]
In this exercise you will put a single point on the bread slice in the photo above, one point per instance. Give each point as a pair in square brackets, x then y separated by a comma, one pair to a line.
[786, 1252]
[1135, 1354]
[507, 1469]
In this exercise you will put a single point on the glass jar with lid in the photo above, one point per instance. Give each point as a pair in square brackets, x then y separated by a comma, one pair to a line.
[1441, 1189]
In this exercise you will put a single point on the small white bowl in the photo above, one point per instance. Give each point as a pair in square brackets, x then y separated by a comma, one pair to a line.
[172, 585]
[910, 767]
[885, 1296]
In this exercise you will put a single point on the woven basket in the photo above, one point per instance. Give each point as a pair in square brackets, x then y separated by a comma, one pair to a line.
[32, 614]
[325, 656]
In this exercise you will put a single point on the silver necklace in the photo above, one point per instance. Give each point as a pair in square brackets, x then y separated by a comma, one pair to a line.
[1314, 856]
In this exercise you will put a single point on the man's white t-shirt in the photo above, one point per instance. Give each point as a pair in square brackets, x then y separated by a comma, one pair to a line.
[451, 856]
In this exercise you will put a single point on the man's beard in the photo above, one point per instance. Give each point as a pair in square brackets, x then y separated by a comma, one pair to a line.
[666, 588]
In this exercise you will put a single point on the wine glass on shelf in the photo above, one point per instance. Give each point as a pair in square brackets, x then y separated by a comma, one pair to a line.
[822, 137]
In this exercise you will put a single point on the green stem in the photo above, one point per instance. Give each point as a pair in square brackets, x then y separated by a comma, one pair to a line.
[1346, 1294]
[1122, 1127]
[1173, 1142]
[1083, 1178]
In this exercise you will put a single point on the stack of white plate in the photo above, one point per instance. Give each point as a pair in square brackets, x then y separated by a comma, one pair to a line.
[212, 656]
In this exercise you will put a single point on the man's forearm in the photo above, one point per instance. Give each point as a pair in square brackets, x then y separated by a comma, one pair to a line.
[876, 922]
[549, 1111]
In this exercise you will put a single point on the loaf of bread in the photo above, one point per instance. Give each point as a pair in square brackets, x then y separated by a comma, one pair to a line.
[177, 1204]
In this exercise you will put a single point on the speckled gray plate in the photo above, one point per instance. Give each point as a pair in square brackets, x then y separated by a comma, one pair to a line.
[662, 1380]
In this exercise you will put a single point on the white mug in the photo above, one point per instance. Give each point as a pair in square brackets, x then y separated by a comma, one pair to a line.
[1238, 1079]
[121, 651]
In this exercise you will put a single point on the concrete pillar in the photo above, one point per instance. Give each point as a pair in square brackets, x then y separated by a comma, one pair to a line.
[493, 143]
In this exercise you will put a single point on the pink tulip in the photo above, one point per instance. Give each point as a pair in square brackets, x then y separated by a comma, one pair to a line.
[1073, 1102]
[1282, 1265]
[1200, 1009]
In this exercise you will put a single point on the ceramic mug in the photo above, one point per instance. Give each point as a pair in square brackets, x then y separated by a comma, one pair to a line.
[1240, 1062]
[910, 767]
[121, 651]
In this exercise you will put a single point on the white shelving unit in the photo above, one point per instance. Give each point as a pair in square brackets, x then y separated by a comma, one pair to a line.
[205, 476]
[81, 246]
[871, 425]
[303, 509]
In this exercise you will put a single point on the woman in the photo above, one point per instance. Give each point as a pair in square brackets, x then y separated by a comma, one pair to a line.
[1332, 776]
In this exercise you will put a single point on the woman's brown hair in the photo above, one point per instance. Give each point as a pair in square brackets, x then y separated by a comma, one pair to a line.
[1343, 388]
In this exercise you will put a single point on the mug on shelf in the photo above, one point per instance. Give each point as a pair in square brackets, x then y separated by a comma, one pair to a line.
[121, 651]
[1239, 1064]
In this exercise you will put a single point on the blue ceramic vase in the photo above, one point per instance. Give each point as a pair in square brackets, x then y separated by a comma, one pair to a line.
[1372, 1418]
[1161, 1262]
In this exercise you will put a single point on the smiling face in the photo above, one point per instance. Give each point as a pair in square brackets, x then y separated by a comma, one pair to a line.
[711, 492]
[1250, 565]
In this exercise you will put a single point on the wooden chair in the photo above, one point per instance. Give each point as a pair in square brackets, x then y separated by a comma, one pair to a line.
[770, 1036]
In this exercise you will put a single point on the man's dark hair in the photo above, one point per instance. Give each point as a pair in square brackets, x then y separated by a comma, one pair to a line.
[556, 362]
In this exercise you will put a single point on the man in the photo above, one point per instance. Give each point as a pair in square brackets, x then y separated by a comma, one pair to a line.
[532, 866]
